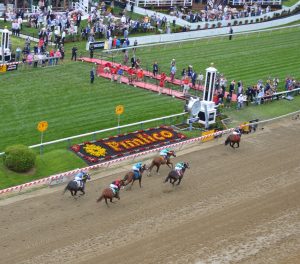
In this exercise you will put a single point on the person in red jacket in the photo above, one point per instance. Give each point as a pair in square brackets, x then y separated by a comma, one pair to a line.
[113, 71]
[131, 74]
[163, 77]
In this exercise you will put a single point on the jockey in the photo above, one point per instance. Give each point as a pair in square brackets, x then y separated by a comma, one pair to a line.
[236, 131]
[137, 169]
[79, 178]
[115, 186]
[179, 167]
[164, 153]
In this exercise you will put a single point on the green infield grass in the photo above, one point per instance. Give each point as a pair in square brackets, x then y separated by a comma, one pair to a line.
[64, 97]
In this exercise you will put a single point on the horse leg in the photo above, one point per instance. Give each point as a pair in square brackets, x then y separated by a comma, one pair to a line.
[166, 180]
[140, 182]
[157, 169]
[75, 192]
[170, 163]
[179, 181]
[174, 180]
[106, 201]
[238, 144]
[149, 170]
[82, 190]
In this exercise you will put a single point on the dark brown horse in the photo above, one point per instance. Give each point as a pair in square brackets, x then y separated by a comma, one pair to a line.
[108, 194]
[130, 177]
[159, 160]
[175, 176]
[233, 139]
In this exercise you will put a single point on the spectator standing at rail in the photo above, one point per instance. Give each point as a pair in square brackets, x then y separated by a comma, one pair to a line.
[240, 101]
[230, 33]
[231, 88]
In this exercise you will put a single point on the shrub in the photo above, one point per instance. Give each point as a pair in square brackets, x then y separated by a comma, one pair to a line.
[19, 158]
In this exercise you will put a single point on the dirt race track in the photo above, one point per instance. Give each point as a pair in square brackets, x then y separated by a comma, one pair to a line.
[234, 206]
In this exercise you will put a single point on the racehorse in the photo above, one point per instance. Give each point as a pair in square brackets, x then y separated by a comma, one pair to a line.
[108, 194]
[130, 177]
[233, 139]
[158, 161]
[174, 175]
[73, 185]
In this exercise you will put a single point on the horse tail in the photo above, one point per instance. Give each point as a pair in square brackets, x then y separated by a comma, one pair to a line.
[167, 178]
[66, 188]
[100, 198]
[227, 141]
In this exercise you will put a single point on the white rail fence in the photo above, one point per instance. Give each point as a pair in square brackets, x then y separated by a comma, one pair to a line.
[165, 39]
[94, 133]
[62, 177]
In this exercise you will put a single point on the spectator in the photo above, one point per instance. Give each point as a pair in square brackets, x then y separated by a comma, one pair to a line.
[18, 54]
[173, 72]
[126, 57]
[155, 68]
[200, 79]
[240, 101]
[91, 52]
[120, 74]
[186, 85]
[230, 33]
[231, 88]
[74, 53]
[92, 75]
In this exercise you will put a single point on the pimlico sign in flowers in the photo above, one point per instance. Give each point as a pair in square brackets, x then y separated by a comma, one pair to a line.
[126, 144]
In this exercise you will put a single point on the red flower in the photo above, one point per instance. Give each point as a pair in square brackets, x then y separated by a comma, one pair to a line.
[75, 148]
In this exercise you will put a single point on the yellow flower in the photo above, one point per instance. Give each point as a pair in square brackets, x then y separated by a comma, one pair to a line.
[95, 150]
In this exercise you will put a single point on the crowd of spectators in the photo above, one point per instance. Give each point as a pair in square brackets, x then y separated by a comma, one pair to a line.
[261, 92]
[220, 12]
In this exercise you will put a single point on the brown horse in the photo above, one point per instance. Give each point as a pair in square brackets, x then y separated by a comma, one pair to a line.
[233, 139]
[130, 177]
[108, 194]
[158, 161]
[175, 176]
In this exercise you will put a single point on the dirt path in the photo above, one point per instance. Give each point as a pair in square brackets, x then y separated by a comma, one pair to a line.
[234, 206]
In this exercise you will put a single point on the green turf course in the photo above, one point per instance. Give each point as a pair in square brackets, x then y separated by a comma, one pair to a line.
[64, 97]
